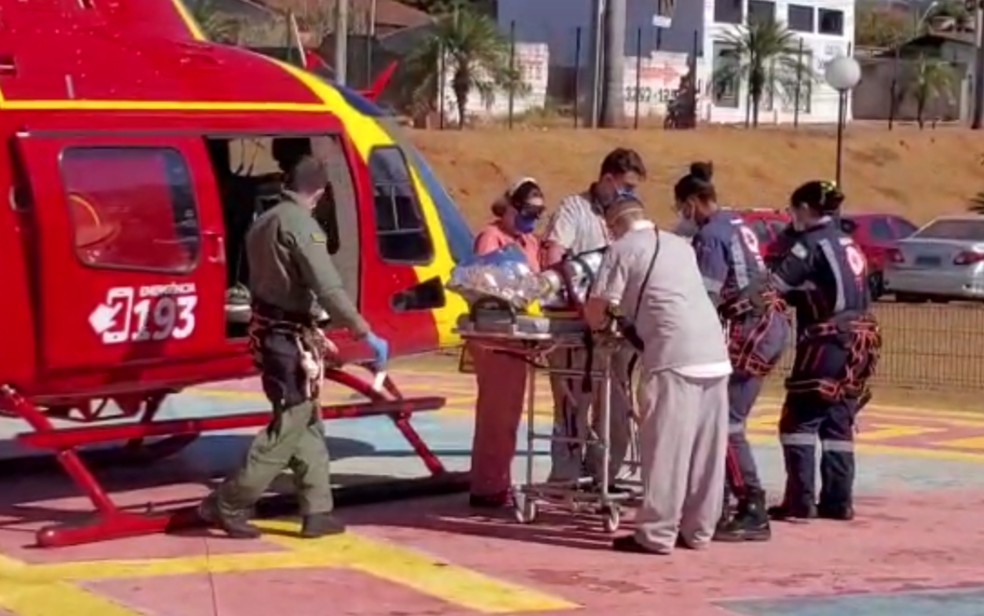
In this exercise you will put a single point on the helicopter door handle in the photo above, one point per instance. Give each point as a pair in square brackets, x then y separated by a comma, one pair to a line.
[216, 246]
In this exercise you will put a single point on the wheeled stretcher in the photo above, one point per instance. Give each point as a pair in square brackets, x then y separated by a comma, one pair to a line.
[496, 327]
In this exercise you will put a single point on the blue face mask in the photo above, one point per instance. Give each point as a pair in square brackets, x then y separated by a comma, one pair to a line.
[525, 223]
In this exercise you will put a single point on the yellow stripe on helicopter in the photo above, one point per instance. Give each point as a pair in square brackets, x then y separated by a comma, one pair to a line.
[366, 133]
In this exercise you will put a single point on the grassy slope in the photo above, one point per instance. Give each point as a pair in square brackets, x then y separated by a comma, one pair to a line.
[917, 174]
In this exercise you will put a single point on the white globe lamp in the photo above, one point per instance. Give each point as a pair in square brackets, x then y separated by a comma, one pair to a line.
[842, 73]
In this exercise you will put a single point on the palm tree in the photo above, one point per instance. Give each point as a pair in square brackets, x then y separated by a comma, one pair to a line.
[475, 54]
[929, 80]
[766, 55]
[218, 27]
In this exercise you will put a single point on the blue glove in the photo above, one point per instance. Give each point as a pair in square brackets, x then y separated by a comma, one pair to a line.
[380, 351]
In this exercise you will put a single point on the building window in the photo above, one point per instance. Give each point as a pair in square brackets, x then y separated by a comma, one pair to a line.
[132, 208]
[726, 79]
[728, 12]
[831, 22]
[800, 18]
[761, 11]
[400, 226]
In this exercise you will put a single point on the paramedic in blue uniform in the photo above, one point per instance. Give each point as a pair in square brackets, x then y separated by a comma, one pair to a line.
[823, 276]
[737, 282]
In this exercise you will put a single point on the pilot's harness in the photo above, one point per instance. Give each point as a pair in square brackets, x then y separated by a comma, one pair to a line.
[762, 304]
[311, 343]
[861, 337]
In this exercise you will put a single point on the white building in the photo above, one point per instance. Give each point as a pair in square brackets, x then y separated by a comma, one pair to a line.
[826, 28]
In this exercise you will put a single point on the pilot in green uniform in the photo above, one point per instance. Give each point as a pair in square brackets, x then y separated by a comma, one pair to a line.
[291, 275]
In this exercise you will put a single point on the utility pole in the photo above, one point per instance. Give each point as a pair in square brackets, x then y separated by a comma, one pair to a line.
[597, 55]
[341, 40]
[613, 101]
[978, 66]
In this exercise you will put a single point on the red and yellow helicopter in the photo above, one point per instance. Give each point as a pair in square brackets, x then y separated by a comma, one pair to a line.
[134, 165]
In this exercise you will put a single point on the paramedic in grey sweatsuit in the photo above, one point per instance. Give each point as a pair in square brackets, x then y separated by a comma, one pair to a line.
[578, 226]
[683, 385]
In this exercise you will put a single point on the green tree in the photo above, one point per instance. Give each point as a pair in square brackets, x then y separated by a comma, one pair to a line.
[475, 56]
[766, 56]
[217, 26]
[881, 27]
[928, 80]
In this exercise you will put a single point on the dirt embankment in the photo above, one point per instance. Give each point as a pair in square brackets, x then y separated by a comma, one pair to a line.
[918, 174]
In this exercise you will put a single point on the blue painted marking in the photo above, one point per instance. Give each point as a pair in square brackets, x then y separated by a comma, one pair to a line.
[949, 602]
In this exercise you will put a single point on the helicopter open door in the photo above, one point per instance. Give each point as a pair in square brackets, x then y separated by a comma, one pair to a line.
[129, 256]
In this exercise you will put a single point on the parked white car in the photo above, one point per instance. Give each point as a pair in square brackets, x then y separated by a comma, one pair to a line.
[942, 261]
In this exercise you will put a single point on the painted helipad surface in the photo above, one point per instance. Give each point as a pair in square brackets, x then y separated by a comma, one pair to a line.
[915, 547]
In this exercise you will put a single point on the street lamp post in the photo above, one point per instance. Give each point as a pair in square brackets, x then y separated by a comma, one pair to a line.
[842, 74]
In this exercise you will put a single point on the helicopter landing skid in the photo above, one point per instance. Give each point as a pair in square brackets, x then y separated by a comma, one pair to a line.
[112, 522]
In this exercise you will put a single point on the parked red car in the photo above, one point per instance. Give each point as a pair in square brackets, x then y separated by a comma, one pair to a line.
[876, 234]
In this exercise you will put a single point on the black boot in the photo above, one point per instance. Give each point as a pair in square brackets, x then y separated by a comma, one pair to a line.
[784, 512]
[237, 527]
[751, 522]
[320, 525]
[835, 512]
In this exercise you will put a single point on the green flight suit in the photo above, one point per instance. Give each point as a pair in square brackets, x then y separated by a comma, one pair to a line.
[290, 271]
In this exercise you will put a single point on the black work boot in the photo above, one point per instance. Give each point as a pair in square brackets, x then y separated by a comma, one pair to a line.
[237, 527]
[321, 525]
[751, 522]
[785, 512]
[835, 512]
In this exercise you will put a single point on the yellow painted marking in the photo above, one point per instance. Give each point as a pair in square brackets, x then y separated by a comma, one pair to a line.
[428, 575]
[913, 452]
[974, 442]
[47, 597]
[886, 431]
[148, 105]
[188, 18]
[46, 589]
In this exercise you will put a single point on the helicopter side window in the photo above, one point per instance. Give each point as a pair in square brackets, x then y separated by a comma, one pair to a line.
[131, 208]
[401, 231]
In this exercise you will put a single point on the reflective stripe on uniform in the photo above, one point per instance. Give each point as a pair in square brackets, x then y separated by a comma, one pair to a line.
[713, 286]
[841, 446]
[798, 439]
[742, 277]
[831, 256]
[736, 428]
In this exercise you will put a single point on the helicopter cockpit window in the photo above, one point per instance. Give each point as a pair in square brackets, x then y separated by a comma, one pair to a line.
[400, 227]
[131, 207]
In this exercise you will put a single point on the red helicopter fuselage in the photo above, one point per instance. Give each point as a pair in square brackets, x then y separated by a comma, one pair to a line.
[137, 155]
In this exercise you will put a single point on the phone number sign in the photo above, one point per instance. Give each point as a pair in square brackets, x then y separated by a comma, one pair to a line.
[149, 313]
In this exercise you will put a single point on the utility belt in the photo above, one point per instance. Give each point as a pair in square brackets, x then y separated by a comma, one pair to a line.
[302, 332]
[743, 313]
[860, 336]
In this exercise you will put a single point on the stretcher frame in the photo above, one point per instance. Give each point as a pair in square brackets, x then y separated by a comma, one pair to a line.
[534, 349]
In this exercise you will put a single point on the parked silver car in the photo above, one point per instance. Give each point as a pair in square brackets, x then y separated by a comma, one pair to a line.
[943, 260]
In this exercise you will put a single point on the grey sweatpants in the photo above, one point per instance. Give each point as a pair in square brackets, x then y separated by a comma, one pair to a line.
[577, 415]
[683, 440]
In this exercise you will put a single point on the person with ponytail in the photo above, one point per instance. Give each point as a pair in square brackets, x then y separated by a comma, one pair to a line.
[500, 378]
[737, 281]
[823, 275]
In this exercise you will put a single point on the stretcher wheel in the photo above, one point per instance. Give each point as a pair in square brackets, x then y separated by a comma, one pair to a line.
[525, 508]
[612, 518]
